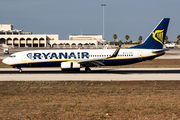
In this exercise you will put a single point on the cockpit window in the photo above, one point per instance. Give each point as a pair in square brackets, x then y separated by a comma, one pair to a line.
[12, 56]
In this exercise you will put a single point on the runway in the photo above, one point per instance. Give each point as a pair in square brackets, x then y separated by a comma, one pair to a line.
[97, 74]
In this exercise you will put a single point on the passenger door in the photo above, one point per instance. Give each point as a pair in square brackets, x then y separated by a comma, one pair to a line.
[140, 55]
[23, 57]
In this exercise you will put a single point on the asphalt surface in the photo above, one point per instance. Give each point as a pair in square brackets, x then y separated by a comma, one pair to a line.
[97, 74]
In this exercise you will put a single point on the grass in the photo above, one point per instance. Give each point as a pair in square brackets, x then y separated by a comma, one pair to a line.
[93, 100]
[97, 100]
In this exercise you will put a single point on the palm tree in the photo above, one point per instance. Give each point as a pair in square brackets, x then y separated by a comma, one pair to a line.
[178, 41]
[140, 39]
[166, 39]
[127, 37]
[115, 37]
[120, 42]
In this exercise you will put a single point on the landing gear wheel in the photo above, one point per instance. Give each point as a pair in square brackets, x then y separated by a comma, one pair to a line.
[87, 69]
[20, 70]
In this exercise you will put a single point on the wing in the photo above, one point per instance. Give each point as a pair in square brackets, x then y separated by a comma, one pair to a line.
[99, 61]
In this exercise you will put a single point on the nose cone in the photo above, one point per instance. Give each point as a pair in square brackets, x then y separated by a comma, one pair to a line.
[5, 61]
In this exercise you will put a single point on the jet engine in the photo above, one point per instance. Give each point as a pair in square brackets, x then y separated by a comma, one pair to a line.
[70, 66]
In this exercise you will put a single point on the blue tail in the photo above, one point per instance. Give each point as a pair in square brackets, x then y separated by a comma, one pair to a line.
[156, 38]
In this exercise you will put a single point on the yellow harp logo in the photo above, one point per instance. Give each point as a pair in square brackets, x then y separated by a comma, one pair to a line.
[158, 35]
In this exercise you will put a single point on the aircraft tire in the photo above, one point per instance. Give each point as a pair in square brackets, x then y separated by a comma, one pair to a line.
[87, 69]
[20, 70]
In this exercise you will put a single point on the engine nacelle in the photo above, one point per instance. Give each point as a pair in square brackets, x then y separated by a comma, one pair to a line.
[70, 66]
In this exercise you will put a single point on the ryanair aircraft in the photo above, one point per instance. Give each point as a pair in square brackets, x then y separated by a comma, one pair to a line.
[73, 60]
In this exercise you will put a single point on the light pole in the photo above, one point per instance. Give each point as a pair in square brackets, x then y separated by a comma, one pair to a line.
[103, 21]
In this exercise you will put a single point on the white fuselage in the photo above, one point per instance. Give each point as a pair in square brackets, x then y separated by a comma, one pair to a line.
[49, 56]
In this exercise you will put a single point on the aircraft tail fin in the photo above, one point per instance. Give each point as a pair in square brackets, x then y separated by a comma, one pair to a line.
[155, 40]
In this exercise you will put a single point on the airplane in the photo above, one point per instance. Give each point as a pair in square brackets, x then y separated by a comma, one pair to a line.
[73, 60]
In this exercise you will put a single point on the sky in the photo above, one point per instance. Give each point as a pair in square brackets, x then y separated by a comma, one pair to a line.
[65, 17]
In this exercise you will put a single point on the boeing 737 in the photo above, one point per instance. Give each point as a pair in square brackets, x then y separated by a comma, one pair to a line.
[73, 60]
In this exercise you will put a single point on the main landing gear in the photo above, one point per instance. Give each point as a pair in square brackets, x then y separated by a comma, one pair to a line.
[87, 69]
[20, 70]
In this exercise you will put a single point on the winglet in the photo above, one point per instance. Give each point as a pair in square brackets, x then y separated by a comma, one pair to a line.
[116, 52]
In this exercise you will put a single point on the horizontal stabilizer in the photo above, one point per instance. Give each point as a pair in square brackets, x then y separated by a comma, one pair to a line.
[161, 50]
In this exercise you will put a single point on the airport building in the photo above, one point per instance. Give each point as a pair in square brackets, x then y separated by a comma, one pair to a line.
[18, 38]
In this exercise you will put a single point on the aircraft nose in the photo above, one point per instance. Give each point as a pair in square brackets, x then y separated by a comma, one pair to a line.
[5, 61]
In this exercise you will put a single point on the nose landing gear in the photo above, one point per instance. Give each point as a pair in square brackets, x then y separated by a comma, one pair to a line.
[20, 70]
